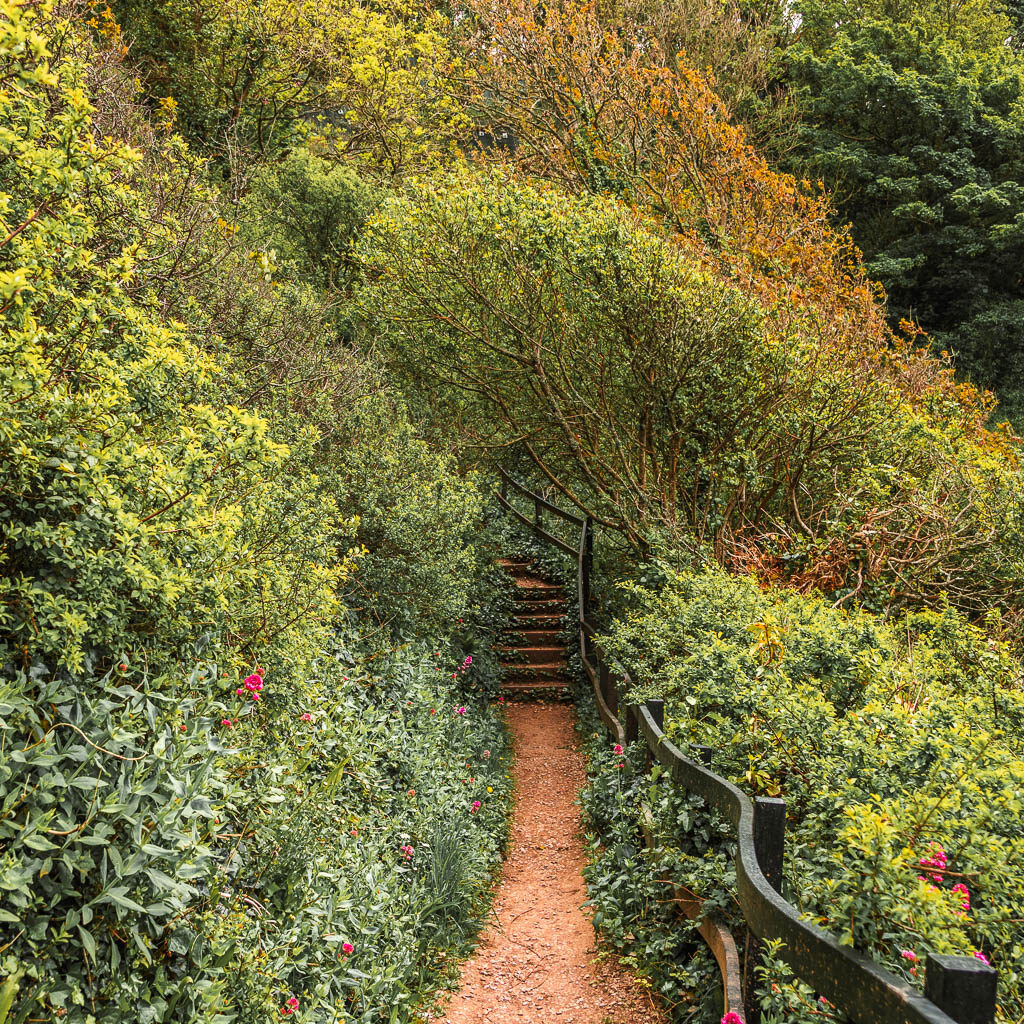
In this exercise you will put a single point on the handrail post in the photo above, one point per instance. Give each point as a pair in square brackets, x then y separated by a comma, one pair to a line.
[705, 754]
[587, 567]
[502, 483]
[962, 986]
[537, 526]
[657, 709]
[769, 847]
[631, 725]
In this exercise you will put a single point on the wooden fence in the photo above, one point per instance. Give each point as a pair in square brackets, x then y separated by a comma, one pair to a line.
[958, 989]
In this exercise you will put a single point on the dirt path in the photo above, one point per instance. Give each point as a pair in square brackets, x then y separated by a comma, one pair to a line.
[536, 962]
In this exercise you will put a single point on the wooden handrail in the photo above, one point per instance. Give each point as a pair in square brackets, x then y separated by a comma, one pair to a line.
[856, 984]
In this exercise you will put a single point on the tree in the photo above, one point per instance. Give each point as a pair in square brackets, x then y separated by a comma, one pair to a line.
[918, 128]
[369, 82]
[668, 402]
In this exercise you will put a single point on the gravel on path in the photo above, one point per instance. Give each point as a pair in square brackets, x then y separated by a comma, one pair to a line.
[537, 960]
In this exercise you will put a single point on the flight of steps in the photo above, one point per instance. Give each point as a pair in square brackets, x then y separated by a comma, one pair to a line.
[532, 653]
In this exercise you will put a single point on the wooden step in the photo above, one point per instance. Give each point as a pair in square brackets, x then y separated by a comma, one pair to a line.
[527, 621]
[531, 651]
[549, 655]
[540, 607]
[539, 595]
[524, 670]
[531, 636]
[536, 687]
[518, 566]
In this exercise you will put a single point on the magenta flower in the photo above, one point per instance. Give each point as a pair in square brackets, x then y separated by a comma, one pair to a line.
[407, 851]
[617, 750]
[239, 691]
[909, 954]
[964, 893]
[459, 711]
[347, 948]
[978, 955]
[306, 717]
[293, 1003]
[732, 1018]
[935, 860]
[475, 807]
[226, 722]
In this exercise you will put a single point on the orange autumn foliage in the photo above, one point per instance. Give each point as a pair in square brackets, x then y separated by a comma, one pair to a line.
[602, 111]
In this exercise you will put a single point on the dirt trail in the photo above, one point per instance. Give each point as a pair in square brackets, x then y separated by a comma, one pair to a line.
[537, 962]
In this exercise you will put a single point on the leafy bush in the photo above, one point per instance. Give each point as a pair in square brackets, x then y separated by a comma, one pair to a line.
[896, 744]
[372, 83]
[193, 723]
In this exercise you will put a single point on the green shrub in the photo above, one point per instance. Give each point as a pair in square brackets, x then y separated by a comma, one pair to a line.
[889, 740]
[174, 843]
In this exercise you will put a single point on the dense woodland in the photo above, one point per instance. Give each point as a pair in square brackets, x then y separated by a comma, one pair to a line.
[282, 282]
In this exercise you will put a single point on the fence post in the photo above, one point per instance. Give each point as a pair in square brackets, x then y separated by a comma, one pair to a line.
[657, 709]
[632, 729]
[962, 986]
[611, 697]
[588, 564]
[536, 515]
[704, 754]
[769, 845]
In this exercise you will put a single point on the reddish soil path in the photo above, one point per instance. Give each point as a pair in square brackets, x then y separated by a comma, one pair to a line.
[537, 963]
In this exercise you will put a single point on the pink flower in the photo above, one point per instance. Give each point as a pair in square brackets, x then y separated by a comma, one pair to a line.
[239, 691]
[501, 700]
[226, 722]
[293, 1003]
[469, 660]
[617, 750]
[255, 696]
[909, 954]
[487, 753]
[305, 717]
[407, 851]
[347, 948]
[978, 955]
[475, 807]
[732, 1018]
[459, 711]
[964, 893]
[936, 860]
[253, 682]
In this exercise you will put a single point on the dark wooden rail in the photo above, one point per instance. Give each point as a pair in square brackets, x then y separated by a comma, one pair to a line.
[958, 989]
